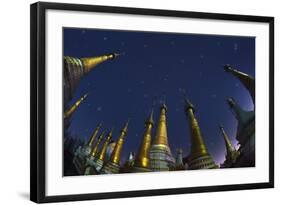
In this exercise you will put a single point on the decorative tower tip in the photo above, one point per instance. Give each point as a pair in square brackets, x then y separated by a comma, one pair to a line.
[68, 113]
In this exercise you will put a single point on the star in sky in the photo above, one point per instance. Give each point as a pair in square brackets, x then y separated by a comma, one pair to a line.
[99, 109]
[105, 38]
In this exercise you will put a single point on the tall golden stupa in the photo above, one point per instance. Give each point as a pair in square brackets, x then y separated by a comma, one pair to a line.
[142, 159]
[76, 68]
[199, 158]
[161, 158]
[113, 165]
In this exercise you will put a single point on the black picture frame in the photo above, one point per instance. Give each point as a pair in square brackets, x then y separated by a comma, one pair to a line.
[38, 100]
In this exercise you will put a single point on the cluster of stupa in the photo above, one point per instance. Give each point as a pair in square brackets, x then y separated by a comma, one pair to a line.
[101, 155]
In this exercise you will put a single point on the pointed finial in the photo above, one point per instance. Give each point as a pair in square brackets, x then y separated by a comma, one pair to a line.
[164, 107]
[227, 68]
[102, 134]
[72, 109]
[125, 129]
[231, 102]
[113, 55]
[188, 104]
[150, 118]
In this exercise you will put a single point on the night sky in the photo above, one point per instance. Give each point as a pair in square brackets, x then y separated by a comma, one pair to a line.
[161, 66]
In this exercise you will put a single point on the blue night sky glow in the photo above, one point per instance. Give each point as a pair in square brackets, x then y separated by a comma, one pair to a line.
[156, 66]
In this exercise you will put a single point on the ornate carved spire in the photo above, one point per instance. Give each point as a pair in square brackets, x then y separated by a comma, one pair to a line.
[95, 148]
[76, 68]
[68, 113]
[116, 154]
[142, 157]
[199, 158]
[94, 135]
[92, 62]
[161, 131]
[102, 153]
[198, 147]
[228, 145]
[231, 153]
[247, 80]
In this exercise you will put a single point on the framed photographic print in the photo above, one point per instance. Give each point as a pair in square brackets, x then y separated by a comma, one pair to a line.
[129, 102]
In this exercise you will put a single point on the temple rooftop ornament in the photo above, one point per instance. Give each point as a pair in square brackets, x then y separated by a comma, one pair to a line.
[142, 160]
[113, 165]
[76, 68]
[247, 80]
[69, 112]
[199, 158]
[231, 152]
[161, 158]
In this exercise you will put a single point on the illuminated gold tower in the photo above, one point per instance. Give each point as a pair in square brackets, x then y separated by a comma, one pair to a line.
[76, 68]
[199, 158]
[141, 163]
[95, 148]
[96, 161]
[247, 80]
[113, 165]
[94, 135]
[231, 152]
[68, 113]
[101, 155]
[160, 155]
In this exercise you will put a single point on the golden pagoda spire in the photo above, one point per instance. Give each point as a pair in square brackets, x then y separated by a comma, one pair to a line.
[68, 113]
[142, 157]
[76, 68]
[229, 147]
[116, 153]
[94, 135]
[247, 80]
[102, 153]
[198, 147]
[161, 131]
[95, 148]
[91, 62]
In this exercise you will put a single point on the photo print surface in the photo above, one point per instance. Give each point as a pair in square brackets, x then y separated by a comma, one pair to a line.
[138, 101]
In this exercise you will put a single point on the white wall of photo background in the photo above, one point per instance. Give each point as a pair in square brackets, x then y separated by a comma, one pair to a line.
[14, 103]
